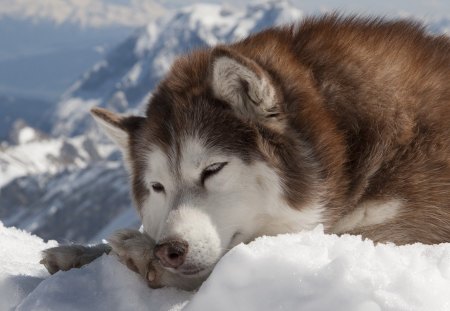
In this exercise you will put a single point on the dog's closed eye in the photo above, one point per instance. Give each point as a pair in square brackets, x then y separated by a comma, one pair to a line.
[212, 170]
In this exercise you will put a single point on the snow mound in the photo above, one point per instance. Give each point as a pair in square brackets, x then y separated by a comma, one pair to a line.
[105, 284]
[314, 271]
[20, 271]
[304, 271]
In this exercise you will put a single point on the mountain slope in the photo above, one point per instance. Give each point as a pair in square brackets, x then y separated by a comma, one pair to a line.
[64, 189]
[32, 111]
[124, 80]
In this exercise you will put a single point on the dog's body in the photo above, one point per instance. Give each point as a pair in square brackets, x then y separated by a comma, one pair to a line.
[343, 122]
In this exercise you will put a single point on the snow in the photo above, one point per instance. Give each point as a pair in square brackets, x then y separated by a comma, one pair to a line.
[147, 39]
[39, 156]
[314, 271]
[74, 105]
[133, 75]
[304, 271]
[32, 157]
[26, 135]
[20, 270]
[104, 285]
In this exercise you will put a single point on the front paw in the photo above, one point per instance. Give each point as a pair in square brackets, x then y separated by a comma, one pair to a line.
[135, 250]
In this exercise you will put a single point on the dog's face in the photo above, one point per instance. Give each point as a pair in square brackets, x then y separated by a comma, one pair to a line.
[204, 176]
[205, 196]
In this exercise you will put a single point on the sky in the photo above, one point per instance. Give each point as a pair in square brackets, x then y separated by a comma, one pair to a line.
[428, 9]
[136, 11]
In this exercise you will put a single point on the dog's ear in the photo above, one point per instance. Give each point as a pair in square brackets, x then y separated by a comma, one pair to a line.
[245, 85]
[117, 127]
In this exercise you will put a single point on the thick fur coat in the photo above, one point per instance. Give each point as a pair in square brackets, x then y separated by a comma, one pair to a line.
[339, 121]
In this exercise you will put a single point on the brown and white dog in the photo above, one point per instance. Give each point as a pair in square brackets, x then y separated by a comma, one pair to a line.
[343, 122]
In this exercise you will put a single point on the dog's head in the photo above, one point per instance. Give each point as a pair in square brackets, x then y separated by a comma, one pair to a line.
[211, 164]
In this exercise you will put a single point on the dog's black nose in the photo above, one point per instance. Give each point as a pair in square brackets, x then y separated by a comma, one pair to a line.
[171, 253]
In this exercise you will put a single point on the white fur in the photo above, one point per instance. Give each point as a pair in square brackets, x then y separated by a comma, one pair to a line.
[227, 78]
[116, 134]
[195, 157]
[367, 214]
[194, 224]
[155, 211]
[235, 205]
[279, 217]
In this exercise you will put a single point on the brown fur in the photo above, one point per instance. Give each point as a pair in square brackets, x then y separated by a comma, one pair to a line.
[362, 113]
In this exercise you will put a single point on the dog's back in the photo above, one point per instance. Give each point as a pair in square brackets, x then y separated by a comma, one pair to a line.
[344, 122]
[377, 112]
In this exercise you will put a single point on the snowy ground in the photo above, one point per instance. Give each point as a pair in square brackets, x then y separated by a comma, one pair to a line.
[305, 271]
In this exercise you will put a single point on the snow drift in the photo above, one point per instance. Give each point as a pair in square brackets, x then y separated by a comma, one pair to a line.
[20, 271]
[304, 271]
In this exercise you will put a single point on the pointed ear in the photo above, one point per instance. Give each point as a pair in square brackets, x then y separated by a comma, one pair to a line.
[116, 127]
[245, 85]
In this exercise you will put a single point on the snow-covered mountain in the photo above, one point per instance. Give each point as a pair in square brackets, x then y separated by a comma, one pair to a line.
[64, 189]
[87, 13]
[126, 77]
[41, 59]
[17, 110]
[47, 44]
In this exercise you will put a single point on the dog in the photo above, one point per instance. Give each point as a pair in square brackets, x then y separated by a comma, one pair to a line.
[337, 121]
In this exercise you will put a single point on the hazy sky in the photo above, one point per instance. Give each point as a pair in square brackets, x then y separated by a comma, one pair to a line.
[137, 12]
[420, 8]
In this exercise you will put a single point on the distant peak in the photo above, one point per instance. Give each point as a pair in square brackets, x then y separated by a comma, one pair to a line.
[86, 13]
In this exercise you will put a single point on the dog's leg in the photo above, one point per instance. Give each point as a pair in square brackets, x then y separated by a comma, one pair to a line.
[132, 248]
[67, 257]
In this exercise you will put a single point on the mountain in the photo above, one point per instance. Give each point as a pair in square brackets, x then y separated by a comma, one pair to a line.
[15, 109]
[124, 80]
[48, 44]
[86, 13]
[63, 189]
[40, 59]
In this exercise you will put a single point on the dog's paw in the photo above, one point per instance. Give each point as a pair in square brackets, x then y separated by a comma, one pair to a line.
[66, 257]
[135, 250]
